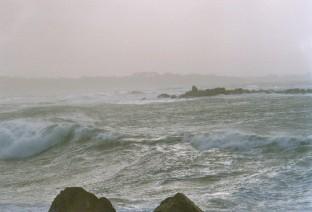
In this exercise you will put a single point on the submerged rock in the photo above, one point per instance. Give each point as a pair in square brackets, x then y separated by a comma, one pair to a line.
[164, 95]
[136, 92]
[76, 199]
[177, 203]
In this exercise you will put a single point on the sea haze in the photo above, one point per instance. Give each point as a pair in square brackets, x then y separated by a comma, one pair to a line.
[17, 86]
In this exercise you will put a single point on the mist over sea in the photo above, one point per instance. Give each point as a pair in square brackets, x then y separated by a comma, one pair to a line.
[227, 153]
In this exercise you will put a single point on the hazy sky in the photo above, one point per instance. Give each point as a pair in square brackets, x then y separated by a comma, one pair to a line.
[118, 37]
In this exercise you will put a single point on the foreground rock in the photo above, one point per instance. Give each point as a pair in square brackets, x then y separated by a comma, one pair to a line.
[76, 199]
[178, 203]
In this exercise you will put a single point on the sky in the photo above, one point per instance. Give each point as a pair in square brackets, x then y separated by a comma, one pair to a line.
[73, 38]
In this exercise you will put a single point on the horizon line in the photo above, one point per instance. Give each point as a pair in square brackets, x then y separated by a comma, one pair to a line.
[158, 74]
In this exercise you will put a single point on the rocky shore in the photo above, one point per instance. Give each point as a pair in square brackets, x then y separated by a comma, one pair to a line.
[76, 199]
[195, 92]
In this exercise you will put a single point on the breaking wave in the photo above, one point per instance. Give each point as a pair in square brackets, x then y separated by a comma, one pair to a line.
[24, 138]
[245, 142]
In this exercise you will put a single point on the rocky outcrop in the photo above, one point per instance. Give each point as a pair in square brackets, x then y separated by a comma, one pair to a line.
[76, 199]
[178, 203]
[195, 92]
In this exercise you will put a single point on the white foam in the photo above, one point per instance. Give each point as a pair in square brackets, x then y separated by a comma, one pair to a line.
[17, 208]
[241, 141]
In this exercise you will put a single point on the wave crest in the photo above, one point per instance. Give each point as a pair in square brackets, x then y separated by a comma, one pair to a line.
[245, 142]
[25, 138]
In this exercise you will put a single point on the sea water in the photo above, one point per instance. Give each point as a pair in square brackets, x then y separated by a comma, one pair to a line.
[227, 153]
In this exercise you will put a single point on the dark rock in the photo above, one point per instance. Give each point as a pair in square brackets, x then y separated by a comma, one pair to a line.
[194, 88]
[76, 199]
[164, 95]
[195, 92]
[177, 203]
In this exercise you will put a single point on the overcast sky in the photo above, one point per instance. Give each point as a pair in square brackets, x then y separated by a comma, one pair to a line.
[118, 37]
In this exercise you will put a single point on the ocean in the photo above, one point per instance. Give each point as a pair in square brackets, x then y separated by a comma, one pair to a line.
[227, 153]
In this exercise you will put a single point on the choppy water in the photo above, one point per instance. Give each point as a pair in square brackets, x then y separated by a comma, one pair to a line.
[233, 153]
